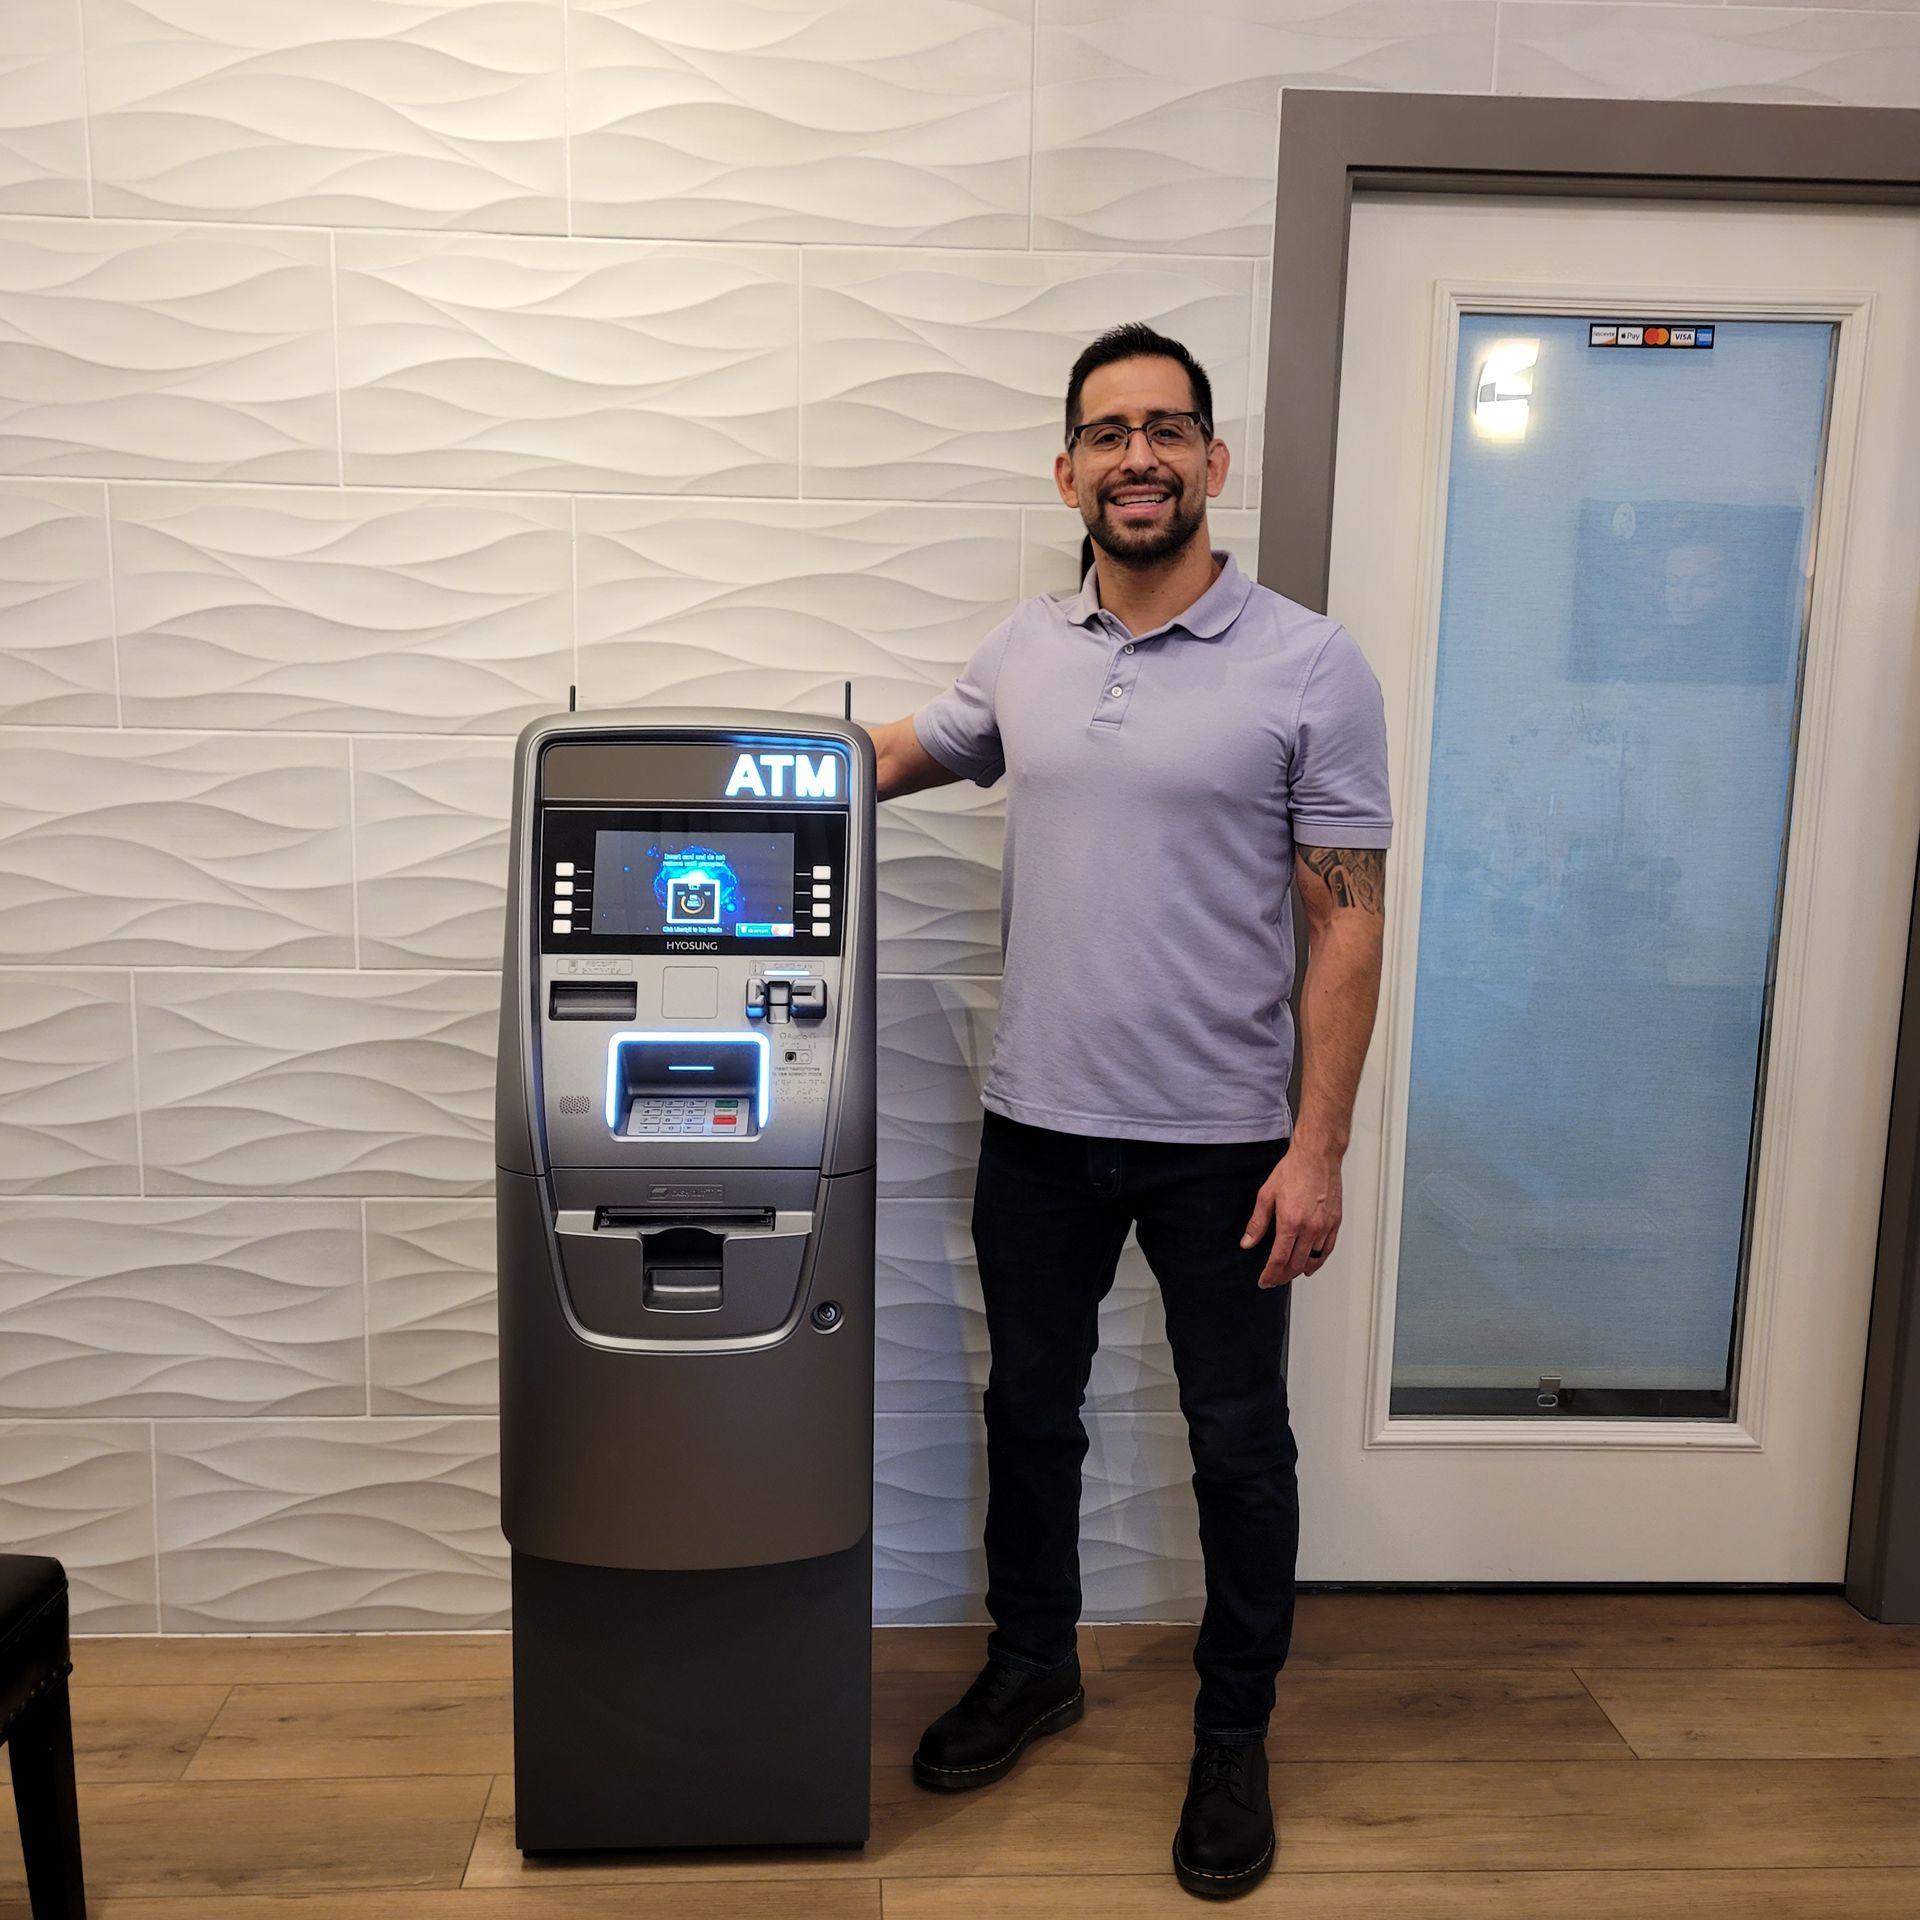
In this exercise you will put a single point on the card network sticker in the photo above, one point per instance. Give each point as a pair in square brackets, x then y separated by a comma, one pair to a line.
[1647, 333]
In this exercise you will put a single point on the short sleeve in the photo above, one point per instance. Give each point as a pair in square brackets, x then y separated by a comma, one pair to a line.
[1338, 791]
[960, 727]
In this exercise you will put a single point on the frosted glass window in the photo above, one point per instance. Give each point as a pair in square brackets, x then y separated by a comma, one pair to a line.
[1623, 611]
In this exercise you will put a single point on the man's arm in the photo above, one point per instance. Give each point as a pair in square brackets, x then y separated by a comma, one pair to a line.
[901, 763]
[1343, 891]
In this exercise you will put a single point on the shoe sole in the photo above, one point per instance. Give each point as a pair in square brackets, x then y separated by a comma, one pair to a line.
[1221, 1886]
[964, 1779]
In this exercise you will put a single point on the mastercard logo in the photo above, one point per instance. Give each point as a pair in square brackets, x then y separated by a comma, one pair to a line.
[1657, 336]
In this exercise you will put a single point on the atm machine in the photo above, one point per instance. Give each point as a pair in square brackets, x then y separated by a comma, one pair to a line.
[685, 1131]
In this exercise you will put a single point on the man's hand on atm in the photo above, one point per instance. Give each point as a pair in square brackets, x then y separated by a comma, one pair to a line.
[901, 763]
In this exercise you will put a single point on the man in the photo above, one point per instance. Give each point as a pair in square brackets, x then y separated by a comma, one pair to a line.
[1181, 746]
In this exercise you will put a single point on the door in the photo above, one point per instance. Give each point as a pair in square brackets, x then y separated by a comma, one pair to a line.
[1627, 519]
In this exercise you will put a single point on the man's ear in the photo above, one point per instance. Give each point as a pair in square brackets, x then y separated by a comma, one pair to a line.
[1218, 461]
[1063, 479]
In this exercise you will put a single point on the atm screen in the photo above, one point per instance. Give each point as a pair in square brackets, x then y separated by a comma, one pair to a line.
[739, 886]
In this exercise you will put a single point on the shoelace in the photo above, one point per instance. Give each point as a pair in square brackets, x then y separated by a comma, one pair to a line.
[997, 1681]
[1217, 1766]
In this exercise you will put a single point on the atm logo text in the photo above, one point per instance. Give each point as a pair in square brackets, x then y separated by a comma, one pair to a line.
[764, 775]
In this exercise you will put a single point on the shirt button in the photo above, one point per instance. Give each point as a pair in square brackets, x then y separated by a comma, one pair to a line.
[1128, 648]
[1113, 693]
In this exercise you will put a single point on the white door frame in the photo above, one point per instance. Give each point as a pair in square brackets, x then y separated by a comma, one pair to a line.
[1334, 143]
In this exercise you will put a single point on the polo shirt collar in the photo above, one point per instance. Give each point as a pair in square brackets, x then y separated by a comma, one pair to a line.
[1207, 619]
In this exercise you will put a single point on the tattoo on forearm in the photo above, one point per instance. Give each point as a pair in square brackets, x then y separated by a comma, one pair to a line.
[1355, 876]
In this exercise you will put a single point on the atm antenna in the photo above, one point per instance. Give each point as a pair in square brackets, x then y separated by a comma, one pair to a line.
[848, 685]
[573, 704]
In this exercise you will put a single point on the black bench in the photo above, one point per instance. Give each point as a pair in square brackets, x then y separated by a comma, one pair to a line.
[37, 1728]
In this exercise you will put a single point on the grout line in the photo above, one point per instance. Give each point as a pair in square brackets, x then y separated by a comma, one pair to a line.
[1500, 14]
[566, 111]
[339, 400]
[573, 584]
[799, 373]
[113, 599]
[366, 1304]
[653, 244]
[153, 1471]
[1033, 117]
[425, 491]
[86, 96]
[133, 1060]
[353, 849]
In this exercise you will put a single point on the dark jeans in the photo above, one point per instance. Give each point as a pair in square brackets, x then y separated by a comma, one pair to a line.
[1050, 1214]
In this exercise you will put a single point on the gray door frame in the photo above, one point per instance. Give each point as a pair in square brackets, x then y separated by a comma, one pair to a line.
[1336, 143]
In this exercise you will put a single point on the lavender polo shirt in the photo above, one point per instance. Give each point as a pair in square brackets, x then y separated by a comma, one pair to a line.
[1156, 788]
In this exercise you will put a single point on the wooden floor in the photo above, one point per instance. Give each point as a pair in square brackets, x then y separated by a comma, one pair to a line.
[1436, 1756]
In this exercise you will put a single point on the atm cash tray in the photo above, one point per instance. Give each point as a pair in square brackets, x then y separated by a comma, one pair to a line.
[635, 1274]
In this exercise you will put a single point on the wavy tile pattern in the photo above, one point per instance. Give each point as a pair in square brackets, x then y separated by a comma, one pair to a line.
[431, 1313]
[55, 605]
[83, 1491]
[931, 1332]
[1139, 1541]
[940, 375]
[560, 363]
[187, 353]
[174, 848]
[1151, 136]
[413, 113]
[936, 1037]
[181, 1307]
[822, 120]
[43, 133]
[776, 604]
[752, 388]
[1818, 55]
[939, 878]
[430, 837]
[338, 610]
[318, 1083]
[67, 1122]
[361, 1525]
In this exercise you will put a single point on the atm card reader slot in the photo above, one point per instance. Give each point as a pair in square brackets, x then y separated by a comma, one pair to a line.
[698, 1086]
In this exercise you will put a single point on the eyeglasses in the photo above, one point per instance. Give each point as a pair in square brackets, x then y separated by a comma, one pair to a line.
[1165, 432]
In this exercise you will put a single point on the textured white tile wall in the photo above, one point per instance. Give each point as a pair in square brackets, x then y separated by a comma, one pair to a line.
[370, 370]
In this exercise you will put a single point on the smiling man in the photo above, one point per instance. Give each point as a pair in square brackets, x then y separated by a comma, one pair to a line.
[1183, 749]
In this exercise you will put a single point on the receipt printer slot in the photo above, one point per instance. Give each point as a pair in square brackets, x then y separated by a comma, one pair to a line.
[592, 1000]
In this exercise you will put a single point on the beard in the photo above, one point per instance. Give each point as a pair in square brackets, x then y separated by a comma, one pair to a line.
[1142, 546]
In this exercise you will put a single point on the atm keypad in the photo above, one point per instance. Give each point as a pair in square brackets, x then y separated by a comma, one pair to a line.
[715, 1118]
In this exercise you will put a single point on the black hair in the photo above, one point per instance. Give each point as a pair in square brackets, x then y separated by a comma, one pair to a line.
[1136, 341]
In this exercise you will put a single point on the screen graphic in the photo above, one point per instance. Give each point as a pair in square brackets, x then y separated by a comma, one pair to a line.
[738, 885]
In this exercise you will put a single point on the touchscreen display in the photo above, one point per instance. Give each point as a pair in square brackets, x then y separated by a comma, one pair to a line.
[735, 885]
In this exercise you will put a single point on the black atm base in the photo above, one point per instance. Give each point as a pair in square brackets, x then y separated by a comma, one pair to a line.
[709, 1709]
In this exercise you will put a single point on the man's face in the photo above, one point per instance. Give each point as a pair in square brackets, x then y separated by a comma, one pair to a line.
[1695, 584]
[1140, 505]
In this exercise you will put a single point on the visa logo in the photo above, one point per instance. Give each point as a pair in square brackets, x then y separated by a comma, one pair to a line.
[764, 775]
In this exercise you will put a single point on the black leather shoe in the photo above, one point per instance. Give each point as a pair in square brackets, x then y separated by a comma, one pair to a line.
[1225, 1843]
[977, 1740]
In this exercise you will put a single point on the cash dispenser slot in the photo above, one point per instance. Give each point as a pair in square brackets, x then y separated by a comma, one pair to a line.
[672, 1276]
[698, 1086]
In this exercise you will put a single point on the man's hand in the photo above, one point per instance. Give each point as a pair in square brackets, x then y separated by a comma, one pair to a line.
[1300, 1200]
